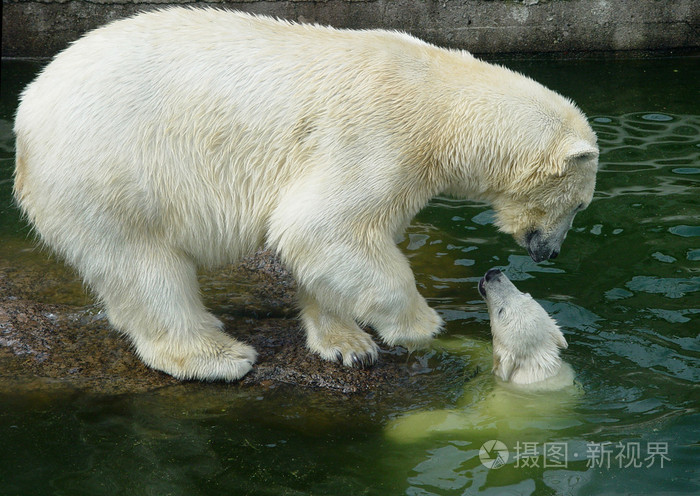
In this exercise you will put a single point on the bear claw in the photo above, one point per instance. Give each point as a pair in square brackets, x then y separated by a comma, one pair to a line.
[363, 361]
[355, 360]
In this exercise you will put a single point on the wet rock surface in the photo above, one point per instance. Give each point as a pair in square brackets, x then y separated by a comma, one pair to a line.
[62, 346]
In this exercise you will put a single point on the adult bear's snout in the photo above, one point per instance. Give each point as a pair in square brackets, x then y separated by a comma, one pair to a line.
[540, 248]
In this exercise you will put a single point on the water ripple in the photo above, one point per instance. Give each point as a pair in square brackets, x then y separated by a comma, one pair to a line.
[644, 141]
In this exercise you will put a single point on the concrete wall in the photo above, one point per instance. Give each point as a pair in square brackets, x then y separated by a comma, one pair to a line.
[40, 28]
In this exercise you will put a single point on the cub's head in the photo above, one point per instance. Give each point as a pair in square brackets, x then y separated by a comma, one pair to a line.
[526, 340]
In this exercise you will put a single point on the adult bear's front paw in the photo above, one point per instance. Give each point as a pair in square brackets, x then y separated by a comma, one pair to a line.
[415, 332]
[350, 346]
[208, 356]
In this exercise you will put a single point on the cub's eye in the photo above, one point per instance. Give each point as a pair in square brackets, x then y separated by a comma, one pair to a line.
[580, 207]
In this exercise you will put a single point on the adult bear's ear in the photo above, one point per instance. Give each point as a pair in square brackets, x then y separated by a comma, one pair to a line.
[578, 152]
[582, 151]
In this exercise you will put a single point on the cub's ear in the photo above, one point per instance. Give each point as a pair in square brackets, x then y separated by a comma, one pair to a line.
[578, 152]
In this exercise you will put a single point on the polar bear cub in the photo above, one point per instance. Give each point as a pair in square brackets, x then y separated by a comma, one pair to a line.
[533, 387]
[526, 340]
[186, 138]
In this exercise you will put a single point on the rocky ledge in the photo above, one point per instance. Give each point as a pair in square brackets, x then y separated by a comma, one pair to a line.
[73, 347]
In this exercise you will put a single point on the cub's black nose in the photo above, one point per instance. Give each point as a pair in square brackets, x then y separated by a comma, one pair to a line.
[489, 276]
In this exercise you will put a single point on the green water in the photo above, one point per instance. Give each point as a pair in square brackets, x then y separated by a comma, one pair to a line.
[625, 289]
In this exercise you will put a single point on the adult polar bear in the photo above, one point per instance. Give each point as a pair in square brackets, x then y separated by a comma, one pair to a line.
[183, 138]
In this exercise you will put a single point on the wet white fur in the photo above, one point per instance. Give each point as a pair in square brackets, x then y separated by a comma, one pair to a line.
[526, 340]
[184, 138]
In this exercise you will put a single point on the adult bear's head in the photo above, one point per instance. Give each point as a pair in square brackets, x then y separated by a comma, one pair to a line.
[540, 208]
[548, 189]
[526, 150]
